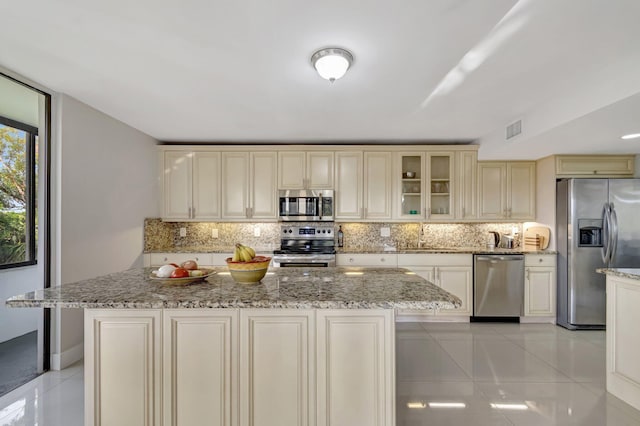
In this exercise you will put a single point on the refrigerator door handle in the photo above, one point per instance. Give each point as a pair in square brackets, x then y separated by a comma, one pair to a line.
[614, 233]
[606, 234]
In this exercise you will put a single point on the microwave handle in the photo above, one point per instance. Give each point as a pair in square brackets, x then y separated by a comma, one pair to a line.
[320, 206]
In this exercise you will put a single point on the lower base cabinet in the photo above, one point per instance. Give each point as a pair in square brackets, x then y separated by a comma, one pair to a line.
[239, 367]
[540, 288]
[451, 272]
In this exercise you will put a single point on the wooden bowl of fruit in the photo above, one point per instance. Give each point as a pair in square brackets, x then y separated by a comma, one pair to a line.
[245, 267]
[186, 273]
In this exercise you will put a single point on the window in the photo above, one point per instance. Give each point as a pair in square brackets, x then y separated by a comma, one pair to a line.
[18, 160]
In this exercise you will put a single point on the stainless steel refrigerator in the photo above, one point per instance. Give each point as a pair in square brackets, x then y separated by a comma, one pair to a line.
[597, 226]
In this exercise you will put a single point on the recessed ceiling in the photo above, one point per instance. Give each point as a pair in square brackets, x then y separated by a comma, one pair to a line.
[435, 70]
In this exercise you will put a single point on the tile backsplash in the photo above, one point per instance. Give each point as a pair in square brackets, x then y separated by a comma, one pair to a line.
[165, 236]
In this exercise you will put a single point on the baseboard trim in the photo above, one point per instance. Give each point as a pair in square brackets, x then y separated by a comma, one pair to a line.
[70, 356]
[537, 320]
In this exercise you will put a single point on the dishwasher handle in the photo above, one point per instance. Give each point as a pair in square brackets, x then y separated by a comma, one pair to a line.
[501, 258]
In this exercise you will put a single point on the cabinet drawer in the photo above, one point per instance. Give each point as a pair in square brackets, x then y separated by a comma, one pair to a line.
[540, 260]
[375, 260]
[429, 259]
[159, 259]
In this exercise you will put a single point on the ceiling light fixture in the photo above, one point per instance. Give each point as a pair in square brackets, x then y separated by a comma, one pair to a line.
[631, 136]
[332, 63]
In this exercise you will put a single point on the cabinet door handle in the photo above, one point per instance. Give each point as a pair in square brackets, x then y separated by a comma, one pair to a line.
[382, 259]
[463, 212]
[528, 273]
[193, 212]
[351, 260]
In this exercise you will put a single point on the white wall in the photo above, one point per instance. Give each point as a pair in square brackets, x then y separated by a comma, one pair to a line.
[107, 186]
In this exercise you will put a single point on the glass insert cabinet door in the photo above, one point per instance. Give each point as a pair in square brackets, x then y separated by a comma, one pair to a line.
[440, 186]
[426, 185]
[412, 186]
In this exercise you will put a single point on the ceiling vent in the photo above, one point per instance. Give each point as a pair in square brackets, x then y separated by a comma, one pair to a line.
[514, 129]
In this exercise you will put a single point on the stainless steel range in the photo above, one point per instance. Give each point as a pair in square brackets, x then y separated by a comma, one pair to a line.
[306, 246]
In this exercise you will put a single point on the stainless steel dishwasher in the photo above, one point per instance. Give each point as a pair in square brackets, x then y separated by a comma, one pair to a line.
[498, 285]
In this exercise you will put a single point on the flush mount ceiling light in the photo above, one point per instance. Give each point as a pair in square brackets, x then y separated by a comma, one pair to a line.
[631, 136]
[332, 62]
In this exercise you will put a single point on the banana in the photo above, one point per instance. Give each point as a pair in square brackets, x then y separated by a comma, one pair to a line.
[245, 254]
[251, 251]
[236, 255]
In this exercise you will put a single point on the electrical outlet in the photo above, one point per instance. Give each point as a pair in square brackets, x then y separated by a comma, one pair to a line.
[214, 233]
[183, 232]
[256, 231]
[385, 232]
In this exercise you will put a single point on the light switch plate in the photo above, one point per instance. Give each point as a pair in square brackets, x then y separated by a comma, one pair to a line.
[385, 232]
[214, 233]
[256, 231]
[183, 232]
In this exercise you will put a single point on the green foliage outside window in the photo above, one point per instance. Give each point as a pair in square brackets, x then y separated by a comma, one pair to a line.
[15, 196]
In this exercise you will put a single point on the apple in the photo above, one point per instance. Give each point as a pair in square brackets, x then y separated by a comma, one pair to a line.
[180, 273]
[189, 265]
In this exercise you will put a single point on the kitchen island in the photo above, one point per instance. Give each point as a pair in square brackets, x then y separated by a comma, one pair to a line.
[623, 347]
[306, 346]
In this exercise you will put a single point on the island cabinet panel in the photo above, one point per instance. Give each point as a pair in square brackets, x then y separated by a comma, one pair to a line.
[623, 350]
[199, 371]
[344, 372]
[276, 367]
[122, 367]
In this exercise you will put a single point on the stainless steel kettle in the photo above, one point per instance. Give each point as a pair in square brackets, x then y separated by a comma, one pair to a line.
[496, 237]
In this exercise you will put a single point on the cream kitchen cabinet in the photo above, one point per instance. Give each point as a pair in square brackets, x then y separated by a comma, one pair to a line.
[595, 165]
[540, 286]
[123, 370]
[159, 259]
[506, 190]
[363, 185]
[305, 170]
[239, 367]
[370, 260]
[249, 185]
[426, 186]
[200, 372]
[191, 185]
[451, 272]
[466, 184]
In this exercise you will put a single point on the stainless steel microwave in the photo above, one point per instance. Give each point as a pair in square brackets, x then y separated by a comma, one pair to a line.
[306, 205]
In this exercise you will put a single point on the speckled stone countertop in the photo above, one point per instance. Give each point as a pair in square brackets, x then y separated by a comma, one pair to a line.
[633, 273]
[450, 250]
[294, 288]
[373, 250]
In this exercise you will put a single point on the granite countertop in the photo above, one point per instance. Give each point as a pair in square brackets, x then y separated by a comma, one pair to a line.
[446, 250]
[372, 250]
[295, 288]
[633, 273]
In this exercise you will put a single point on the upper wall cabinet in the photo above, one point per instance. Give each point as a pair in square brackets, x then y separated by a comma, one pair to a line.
[191, 185]
[506, 190]
[305, 170]
[426, 185]
[595, 165]
[249, 185]
[466, 184]
[363, 185]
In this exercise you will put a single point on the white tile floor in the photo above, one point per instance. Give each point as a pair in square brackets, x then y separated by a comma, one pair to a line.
[504, 374]
[536, 374]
